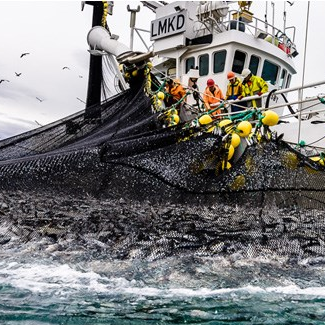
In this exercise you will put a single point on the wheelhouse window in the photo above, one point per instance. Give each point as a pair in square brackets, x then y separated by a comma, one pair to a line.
[189, 64]
[283, 78]
[254, 63]
[288, 81]
[239, 62]
[204, 64]
[270, 72]
[219, 60]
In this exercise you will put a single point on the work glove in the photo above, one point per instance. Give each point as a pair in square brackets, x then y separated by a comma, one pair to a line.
[260, 93]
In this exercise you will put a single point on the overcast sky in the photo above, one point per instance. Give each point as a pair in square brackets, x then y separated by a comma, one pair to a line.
[55, 32]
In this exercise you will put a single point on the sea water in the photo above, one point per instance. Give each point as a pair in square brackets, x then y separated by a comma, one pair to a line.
[55, 287]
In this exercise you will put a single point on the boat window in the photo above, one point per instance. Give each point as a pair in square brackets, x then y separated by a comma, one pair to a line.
[171, 72]
[204, 64]
[219, 60]
[239, 62]
[189, 64]
[253, 64]
[270, 72]
[282, 78]
[288, 81]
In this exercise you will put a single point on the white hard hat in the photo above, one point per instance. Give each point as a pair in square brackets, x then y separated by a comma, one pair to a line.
[245, 73]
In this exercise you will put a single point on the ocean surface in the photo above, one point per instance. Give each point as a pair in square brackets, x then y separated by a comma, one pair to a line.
[40, 287]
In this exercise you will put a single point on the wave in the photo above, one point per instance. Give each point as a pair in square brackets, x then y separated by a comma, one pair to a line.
[63, 279]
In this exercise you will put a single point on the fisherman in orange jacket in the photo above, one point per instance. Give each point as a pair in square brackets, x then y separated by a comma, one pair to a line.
[175, 90]
[212, 97]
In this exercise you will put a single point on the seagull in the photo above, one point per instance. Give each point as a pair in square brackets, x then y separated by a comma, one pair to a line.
[18, 74]
[39, 99]
[4, 80]
[81, 100]
[23, 54]
[80, 76]
[65, 68]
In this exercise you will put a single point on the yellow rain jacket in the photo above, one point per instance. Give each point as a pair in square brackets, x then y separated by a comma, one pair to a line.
[255, 86]
[234, 90]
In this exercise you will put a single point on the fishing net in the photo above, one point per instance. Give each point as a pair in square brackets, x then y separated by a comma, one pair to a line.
[271, 200]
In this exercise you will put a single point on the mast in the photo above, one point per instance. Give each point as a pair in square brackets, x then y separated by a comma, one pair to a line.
[95, 69]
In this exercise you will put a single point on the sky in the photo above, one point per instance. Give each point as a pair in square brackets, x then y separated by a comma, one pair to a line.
[54, 33]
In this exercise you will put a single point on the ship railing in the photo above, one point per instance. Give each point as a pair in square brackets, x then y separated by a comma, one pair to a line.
[302, 111]
[260, 29]
[297, 107]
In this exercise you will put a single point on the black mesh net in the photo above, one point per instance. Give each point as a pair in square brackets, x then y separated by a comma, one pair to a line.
[272, 199]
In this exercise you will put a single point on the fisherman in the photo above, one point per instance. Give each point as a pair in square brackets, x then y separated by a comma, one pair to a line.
[193, 86]
[175, 92]
[234, 91]
[212, 97]
[253, 85]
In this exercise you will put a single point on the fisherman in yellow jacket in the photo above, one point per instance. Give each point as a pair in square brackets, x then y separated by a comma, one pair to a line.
[253, 85]
[234, 90]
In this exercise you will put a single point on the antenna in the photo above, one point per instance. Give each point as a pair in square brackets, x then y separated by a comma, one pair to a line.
[132, 23]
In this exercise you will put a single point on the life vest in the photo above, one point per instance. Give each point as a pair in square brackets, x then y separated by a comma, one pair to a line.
[234, 90]
[211, 98]
[254, 86]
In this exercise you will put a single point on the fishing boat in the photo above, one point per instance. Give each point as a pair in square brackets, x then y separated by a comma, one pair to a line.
[191, 186]
[133, 143]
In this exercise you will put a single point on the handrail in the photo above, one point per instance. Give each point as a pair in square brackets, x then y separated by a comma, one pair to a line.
[282, 91]
[254, 25]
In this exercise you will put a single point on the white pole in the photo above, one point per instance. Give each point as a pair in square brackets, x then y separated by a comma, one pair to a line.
[303, 70]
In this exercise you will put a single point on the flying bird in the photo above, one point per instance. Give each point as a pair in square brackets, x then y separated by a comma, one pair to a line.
[81, 100]
[65, 68]
[40, 100]
[4, 80]
[23, 54]
[18, 74]
[80, 76]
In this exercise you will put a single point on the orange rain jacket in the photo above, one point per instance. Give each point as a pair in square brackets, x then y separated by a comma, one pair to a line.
[212, 99]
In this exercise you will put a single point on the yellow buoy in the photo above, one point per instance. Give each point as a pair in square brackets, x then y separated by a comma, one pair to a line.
[318, 159]
[270, 118]
[235, 140]
[175, 118]
[244, 128]
[289, 159]
[205, 119]
[161, 95]
[231, 152]
[172, 111]
[134, 73]
[224, 124]
[211, 129]
[238, 183]
[149, 65]
[226, 166]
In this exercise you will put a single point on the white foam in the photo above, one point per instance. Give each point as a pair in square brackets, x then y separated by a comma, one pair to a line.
[62, 279]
